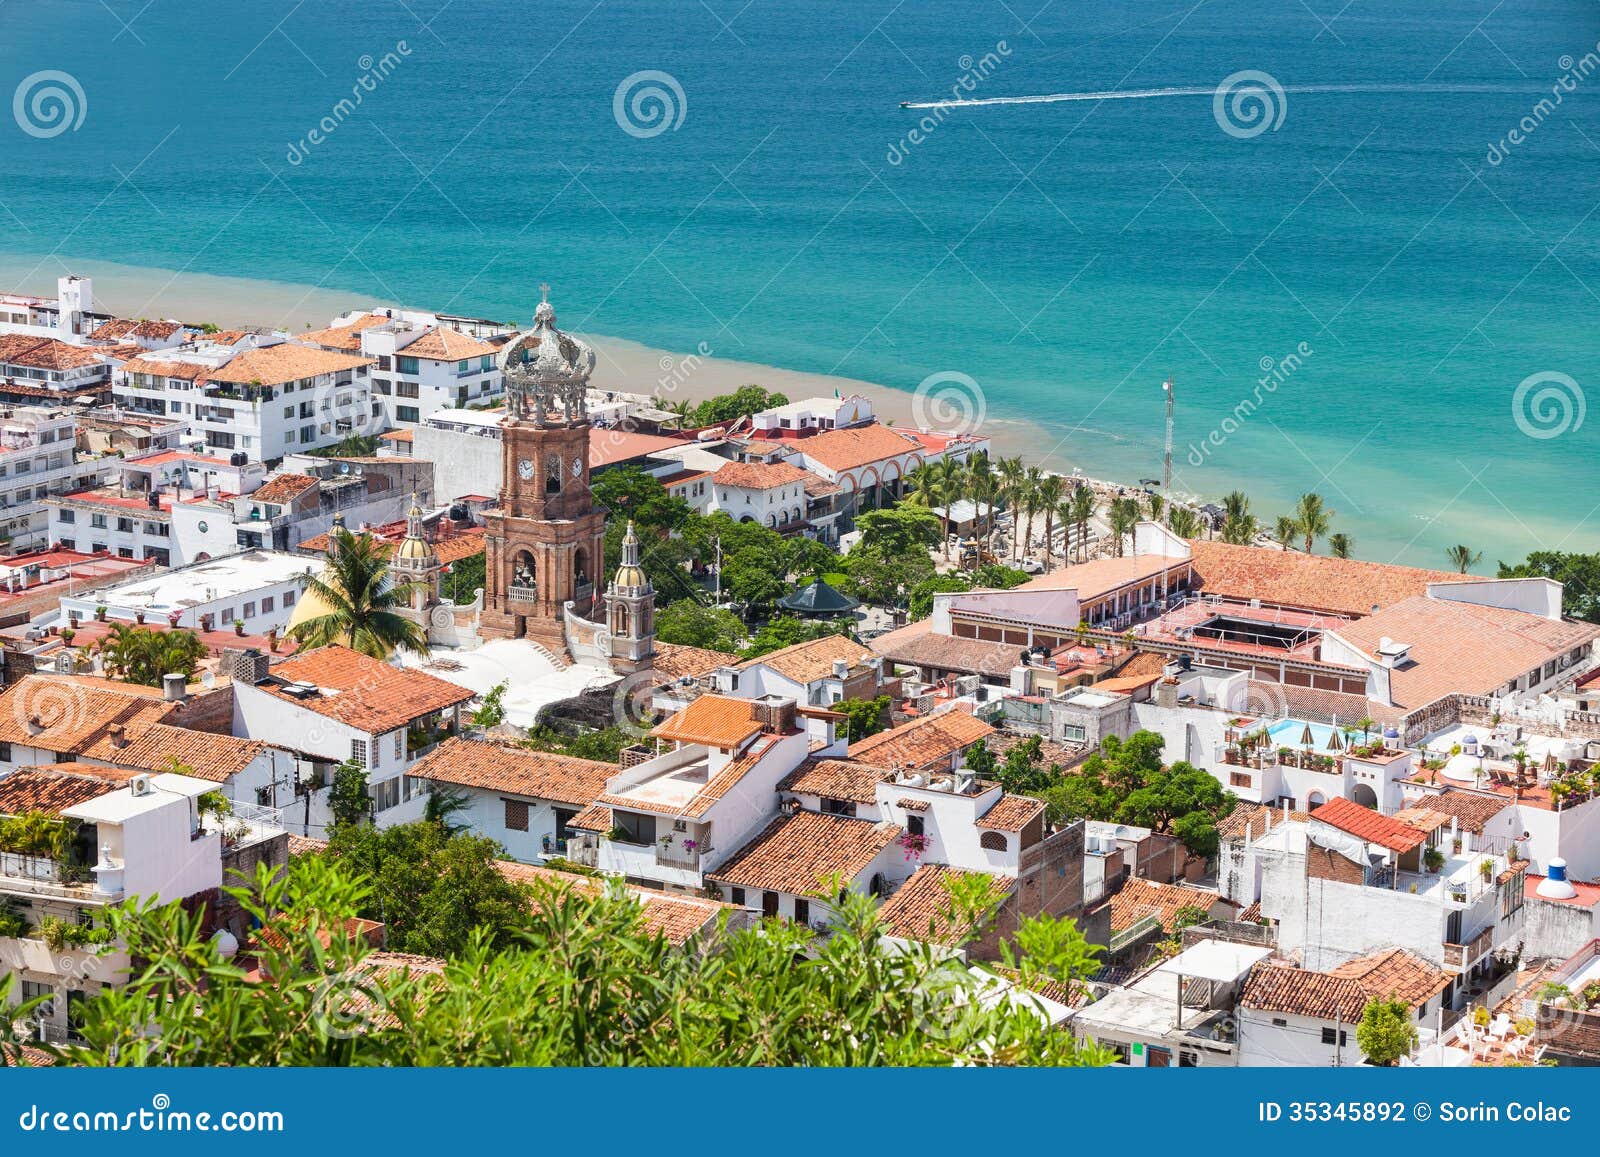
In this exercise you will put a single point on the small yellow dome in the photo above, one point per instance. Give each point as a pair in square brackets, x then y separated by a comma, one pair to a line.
[416, 549]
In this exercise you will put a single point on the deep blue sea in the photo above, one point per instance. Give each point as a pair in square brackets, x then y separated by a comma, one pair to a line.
[1064, 256]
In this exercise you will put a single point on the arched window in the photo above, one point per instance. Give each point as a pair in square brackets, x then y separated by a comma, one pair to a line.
[523, 572]
[620, 621]
[992, 841]
[1316, 800]
[552, 475]
[580, 566]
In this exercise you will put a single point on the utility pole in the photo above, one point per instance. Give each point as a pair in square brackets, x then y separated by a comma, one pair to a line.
[1166, 481]
[718, 543]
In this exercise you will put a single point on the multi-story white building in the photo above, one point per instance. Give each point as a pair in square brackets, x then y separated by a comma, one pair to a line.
[38, 460]
[425, 362]
[255, 404]
[128, 835]
[253, 591]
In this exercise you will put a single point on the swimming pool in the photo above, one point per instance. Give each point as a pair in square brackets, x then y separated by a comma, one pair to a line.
[1291, 733]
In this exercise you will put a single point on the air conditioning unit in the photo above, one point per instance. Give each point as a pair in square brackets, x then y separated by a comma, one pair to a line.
[140, 785]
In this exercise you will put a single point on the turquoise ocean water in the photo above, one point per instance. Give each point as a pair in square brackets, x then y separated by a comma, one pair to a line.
[1065, 256]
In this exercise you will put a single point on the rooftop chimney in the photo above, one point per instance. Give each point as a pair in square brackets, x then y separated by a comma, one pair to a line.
[175, 687]
[118, 734]
[841, 668]
[775, 713]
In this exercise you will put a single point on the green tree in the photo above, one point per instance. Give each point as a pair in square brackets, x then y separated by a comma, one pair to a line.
[142, 655]
[883, 578]
[864, 716]
[1183, 521]
[742, 403]
[898, 530]
[1386, 1032]
[361, 604]
[1285, 530]
[491, 709]
[348, 798]
[583, 983]
[1239, 526]
[603, 745]
[1024, 770]
[1312, 519]
[998, 576]
[1340, 545]
[689, 624]
[1079, 510]
[433, 890]
[1463, 558]
[785, 631]
[1123, 516]
[919, 604]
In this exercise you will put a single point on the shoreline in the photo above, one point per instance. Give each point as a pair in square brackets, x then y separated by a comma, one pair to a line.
[622, 365]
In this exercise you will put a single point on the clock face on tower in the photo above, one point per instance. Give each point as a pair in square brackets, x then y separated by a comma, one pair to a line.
[525, 469]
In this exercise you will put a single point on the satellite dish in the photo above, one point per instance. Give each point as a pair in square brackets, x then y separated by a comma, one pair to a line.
[208, 680]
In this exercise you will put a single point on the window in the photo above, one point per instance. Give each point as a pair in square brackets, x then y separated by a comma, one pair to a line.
[1279, 1022]
[249, 611]
[384, 363]
[358, 752]
[288, 599]
[98, 521]
[516, 815]
[914, 825]
[68, 516]
[838, 807]
[636, 828]
[267, 604]
[1329, 1036]
[400, 744]
[736, 896]
[769, 903]
[5, 753]
[1239, 779]
[386, 795]
[1074, 733]
[407, 414]
[992, 841]
[1188, 1060]
[381, 385]
[406, 365]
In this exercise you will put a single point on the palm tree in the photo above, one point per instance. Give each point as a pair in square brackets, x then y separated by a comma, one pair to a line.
[983, 486]
[1463, 558]
[361, 607]
[1080, 509]
[1011, 473]
[950, 481]
[1156, 504]
[1124, 516]
[1239, 526]
[1183, 521]
[1051, 488]
[1285, 531]
[1339, 545]
[1029, 498]
[1313, 517]
[928, 489]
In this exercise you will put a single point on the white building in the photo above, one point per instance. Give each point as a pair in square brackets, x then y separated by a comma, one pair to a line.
[256, 588]
[336, 704]
[144, 836]
[423, 363]
[38, 459]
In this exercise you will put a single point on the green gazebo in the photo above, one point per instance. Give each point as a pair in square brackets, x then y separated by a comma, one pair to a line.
[818, 600]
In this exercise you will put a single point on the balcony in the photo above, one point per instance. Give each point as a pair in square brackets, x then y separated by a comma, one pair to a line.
[1460, 957]
[43, 876]
[522, 594]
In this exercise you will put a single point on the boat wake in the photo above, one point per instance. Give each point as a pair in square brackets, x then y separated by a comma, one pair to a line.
[1155, 93]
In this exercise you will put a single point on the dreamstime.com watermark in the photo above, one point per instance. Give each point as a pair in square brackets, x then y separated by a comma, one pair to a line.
[1249, 103]
[973, 73]
[49, 103]
[1274, 373]
[949, 402]
[373, 74]
[648, 103]
[1548, 404]
[159, 1117]
[1573, 73]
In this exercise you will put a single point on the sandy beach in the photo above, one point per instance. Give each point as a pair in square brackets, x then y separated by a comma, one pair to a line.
[626, 366]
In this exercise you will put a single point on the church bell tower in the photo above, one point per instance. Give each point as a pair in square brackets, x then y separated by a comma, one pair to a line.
[546, 541]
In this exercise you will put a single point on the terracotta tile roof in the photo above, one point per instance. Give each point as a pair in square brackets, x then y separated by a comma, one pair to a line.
[35, 789]
[701, 802]
[923, 742]
[713, 720]
[367, 694]
[610, 446]
[14, 345]
[1138, 898]
[1471, 809]
[153, 746]
[1342, 993]
[795, 853]
[760, 475]
[1101, 576]
[1312, 582]
[812, 660]
[916, 645]
[678, 917]
[836, 779]
[912, 805]
[858, 446]
[920, 909]
[1366, 824]
[820, 487]
[283, 488]
[56, 355]
[1011, 814]
[515, 771]
[594, 818]
[443, 344]
[460, 544]
[306, 846]
[407, 435]
[161, 368]
[1460, 647]
[674, 660]
[344, 337]
[64, 713]
[284, 362]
